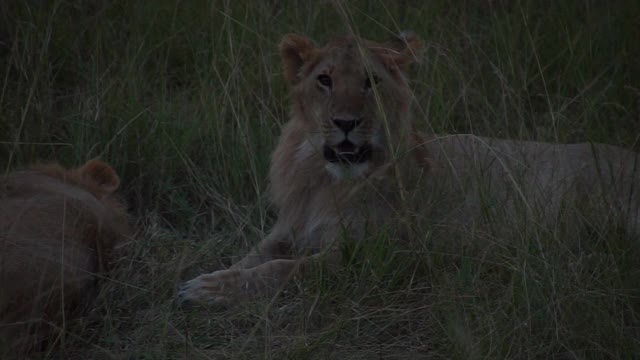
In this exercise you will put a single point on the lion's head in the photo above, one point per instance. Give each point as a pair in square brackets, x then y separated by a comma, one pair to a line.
[350, 99]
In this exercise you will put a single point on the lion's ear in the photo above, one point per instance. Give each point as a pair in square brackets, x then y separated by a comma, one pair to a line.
[402, 50]
[295, 50]
[101, 175]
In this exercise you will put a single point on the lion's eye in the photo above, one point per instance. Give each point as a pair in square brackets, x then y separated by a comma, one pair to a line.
[371, 80]
[325, 80]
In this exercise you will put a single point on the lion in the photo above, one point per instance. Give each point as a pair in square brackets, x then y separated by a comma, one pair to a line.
[59, 229]
[350, 159]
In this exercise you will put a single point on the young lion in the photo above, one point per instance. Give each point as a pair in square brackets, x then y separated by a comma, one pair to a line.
[349, 160]
[58, 229]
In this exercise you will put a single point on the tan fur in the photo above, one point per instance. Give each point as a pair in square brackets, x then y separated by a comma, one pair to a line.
[58, 229]
[408, 179]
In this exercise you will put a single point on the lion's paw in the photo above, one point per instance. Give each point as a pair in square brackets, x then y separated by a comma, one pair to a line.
[218, 288]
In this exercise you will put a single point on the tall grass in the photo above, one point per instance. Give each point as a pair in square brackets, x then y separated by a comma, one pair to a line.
[186, 99]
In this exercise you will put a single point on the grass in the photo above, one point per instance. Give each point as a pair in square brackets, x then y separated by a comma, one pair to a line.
[186, 100]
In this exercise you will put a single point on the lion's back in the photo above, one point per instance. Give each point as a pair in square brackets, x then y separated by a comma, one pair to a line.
[543, 178]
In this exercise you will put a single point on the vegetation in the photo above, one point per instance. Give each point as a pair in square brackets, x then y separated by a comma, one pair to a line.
[186, 100]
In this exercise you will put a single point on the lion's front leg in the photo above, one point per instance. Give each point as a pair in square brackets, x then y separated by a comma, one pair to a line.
[226, 286]
[262, 272]
[271, 248]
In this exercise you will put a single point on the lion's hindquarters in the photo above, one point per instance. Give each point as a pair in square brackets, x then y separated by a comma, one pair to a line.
[615, 179]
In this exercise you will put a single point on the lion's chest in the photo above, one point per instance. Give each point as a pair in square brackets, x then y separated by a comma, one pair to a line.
[340, 211]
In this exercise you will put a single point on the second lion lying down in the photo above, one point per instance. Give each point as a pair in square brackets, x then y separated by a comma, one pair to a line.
[349, 160]
[60, 230]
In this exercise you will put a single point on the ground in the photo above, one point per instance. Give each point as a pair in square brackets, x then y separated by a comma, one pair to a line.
[186, 99]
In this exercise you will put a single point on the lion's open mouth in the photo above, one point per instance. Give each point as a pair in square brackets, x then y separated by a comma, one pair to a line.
[347, 153]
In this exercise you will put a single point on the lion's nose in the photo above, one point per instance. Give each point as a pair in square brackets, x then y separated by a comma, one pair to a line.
[346, 125]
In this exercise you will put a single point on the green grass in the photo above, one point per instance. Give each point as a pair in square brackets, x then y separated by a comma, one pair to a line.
[186, 100]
